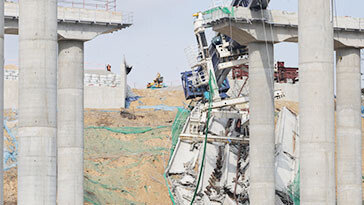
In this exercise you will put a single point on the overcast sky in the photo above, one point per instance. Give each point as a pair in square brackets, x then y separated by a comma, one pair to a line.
[162, 30]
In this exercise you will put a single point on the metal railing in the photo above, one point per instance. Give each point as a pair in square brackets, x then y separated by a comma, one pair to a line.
[191, 53]
[127, 17]
[218, 13]
[107, 5]
[90, 14]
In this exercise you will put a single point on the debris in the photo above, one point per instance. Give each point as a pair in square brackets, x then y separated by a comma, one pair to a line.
[226, 172]
[130, 116]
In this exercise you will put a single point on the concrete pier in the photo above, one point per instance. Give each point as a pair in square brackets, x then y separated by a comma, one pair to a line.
[348, 109]
[37, 102]
[317, 137]
[1, 99]
[262, 177]
[70, 122]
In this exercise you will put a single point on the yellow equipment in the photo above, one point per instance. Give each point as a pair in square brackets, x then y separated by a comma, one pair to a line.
[157, 83]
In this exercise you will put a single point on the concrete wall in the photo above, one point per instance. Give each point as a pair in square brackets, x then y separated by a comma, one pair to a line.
[103, 97]
[95, 97]
[10, 94]
[291, 91]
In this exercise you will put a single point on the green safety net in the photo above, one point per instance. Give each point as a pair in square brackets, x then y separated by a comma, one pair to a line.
[128, 130]
[294, 189]
[224, 10]
[178, 125]
[111, 159]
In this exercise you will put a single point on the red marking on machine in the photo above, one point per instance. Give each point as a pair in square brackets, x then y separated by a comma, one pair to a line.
[281, 74]
[239, 72]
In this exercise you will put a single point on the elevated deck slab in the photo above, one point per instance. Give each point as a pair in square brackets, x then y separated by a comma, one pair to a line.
[245, 26]
[75, 23]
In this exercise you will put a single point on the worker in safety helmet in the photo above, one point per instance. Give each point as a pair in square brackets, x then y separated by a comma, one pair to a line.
[108, 67]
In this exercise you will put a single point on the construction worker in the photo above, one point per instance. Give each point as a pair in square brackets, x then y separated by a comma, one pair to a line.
[108, 67]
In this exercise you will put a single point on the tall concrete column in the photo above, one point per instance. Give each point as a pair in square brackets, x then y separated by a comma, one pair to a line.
[261, 96]
[37, 102]
[70, 122]
[317, 137]
[348, 115]
[1, 99]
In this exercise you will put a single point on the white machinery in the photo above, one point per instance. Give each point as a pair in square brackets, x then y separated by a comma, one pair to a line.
[211, 159]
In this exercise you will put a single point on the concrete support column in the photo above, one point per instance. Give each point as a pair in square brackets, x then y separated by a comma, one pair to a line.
[348, 113]
[70, 122]
[37, 102]
[317, 137]
[261, 96]
[1, 99]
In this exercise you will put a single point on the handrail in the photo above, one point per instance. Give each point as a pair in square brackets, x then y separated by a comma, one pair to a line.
[108, 5]
[79, 14]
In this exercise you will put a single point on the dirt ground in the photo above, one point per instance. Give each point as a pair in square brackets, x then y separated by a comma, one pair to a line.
[128, 168]
[137, 174]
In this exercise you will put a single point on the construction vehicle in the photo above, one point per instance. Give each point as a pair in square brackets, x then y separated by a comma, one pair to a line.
[214, 63]
[157, 82]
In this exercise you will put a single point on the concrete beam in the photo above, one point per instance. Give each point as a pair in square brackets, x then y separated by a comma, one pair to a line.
[317, 131]
[280, 26]
[75, 23]
[348, 109]
[261, 105]
[37, 102]
[70, 122]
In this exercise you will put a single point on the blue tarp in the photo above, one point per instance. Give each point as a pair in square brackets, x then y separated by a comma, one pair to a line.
[154, 86]
[129, 100]
[13, 152]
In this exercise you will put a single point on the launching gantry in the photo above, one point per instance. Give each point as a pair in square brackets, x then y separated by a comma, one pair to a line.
[318, 33]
